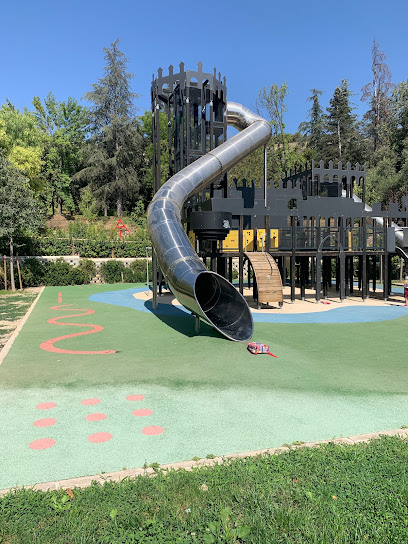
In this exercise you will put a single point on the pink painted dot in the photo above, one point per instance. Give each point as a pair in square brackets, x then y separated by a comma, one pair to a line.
[152, 430]
[142, 412]
[42, 443]
[46, 405]
[135, 397]
[46, 422]
[95, 417]
[99, 437]
[90, 402]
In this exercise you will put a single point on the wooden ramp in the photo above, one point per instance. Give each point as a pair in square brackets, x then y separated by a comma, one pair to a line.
[268, 278]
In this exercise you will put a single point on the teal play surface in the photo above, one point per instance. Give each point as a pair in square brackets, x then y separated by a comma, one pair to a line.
[93, 386]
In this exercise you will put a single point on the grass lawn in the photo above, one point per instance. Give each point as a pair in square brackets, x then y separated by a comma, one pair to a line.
[13, 306]
[333, 494]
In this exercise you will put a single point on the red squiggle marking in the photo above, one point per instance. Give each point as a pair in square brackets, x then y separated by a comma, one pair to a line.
[48, 345]
[59, 298]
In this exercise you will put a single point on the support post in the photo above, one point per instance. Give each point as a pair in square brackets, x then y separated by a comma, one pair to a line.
[241, 254]
[197, 324]
[318, 275]
[154, 279]
[385, 263]
[364, 259]
[19, 273]
[268, 234]
[5, 272]
[342, 274]
[293, 260]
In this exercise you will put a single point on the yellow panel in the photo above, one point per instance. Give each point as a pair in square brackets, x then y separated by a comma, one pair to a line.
[231, 241]
[274, 238]
[191, 237]
[248, 238]
[260, 237]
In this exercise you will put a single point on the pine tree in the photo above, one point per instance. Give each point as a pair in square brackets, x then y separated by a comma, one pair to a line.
[114, 154]
[314, 129]
[344, 141]
[376, 93]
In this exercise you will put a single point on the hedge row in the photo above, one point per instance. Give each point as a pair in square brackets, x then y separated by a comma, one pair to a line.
[87, 248]
[35, 272]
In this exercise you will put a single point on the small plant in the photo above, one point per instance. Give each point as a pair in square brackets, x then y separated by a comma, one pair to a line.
[223, 530]
[210, 456]
[138, 215]
[60, 505]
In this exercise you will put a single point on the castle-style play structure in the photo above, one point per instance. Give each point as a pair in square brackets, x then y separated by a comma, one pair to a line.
[311, 229]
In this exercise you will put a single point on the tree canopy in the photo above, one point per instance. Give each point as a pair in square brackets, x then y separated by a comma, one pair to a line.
[113, 158]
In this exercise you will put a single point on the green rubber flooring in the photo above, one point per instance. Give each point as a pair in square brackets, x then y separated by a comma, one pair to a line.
[168, 395]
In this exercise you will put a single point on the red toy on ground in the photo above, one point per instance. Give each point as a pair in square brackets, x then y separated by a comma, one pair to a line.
[257, 347]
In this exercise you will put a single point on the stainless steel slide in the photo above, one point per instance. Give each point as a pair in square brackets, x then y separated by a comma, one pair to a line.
[206, 294]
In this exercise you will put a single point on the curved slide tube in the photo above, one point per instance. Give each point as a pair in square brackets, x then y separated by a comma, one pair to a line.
[206, 294]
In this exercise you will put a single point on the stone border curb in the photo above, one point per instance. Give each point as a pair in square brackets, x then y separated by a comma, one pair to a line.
[86, 481]
[17, 330]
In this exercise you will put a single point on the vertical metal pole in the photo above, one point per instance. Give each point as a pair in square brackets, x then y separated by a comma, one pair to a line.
[385, 263]
[364, 271]
[303, 277]
[293, 260]
[241, 254]
[351, 275]
[342, 271]
[265, 176]
[374, 264]
[268, 234]
[154, 274]
[318, 275]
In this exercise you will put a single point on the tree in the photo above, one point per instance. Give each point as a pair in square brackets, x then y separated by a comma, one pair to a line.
[272, 101]
[22, 142]
[399, 110]
[65, 125]
[314, 129]
[344, 140]
[20, 210]
[376, 93]
[113, 159]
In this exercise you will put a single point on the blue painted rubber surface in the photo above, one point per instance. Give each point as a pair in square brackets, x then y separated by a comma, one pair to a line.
[347, 314]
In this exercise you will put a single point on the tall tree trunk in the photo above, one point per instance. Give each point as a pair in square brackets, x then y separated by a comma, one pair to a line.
[119, 204]
[339, 137]
[59, 209]
[105, 211]
[13, 285]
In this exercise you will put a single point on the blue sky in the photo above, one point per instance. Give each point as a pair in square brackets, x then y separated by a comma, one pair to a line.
[56, 46]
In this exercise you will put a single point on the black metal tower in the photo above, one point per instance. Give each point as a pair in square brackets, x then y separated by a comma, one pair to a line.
[194, 105]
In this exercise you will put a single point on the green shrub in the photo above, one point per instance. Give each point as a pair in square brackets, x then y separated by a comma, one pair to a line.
[62, 273]
[88, 268]
[33, 272]
[112, 271]
[136, 272]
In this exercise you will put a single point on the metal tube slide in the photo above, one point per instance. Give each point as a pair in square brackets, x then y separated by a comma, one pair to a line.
[206, 294]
